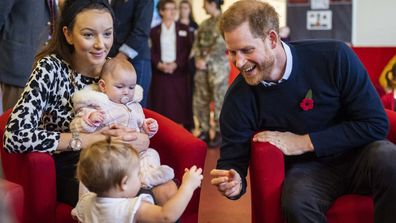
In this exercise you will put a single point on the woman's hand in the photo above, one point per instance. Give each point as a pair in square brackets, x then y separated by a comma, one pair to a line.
[121, 132]
[138, 140]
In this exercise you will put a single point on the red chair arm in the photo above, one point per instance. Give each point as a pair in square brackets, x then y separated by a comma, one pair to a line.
[12, 196]
[179, 149]
[267, 172]
[35, 172]
[392, 120]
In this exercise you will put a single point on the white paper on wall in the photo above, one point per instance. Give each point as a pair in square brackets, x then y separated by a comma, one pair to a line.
[319, 20]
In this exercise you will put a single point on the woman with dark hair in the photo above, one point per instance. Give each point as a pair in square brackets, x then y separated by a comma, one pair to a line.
[73, 59]
[186, 16]
[212, 72]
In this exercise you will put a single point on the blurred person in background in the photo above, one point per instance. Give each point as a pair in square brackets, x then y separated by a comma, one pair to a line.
[212, 72]
[25, 26]
[170, 92]
[186, 16]
[132, 31]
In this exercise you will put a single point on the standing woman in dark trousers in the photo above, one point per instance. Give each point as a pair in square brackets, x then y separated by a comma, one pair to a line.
[133, 20]
[72, 60]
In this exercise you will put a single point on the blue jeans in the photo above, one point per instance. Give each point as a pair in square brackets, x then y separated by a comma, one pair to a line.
[143, 71]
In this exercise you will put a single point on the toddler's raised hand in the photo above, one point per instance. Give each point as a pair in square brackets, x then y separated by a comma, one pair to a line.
[192, 177]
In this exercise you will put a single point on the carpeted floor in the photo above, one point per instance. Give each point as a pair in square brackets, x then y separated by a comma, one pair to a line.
[214, 208]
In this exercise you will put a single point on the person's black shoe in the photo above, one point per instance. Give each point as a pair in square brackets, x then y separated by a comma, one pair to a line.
[204, 136]
[216, 141]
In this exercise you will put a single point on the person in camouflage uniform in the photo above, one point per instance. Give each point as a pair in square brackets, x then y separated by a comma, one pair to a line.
[212, 72]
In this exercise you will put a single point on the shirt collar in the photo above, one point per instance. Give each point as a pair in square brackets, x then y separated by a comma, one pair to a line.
[165, 29]
[288, 69]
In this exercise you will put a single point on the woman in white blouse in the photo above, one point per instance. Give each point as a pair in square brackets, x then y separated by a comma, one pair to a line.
[170, 92]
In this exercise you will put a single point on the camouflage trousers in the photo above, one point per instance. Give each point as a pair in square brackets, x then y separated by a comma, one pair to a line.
[210, 85]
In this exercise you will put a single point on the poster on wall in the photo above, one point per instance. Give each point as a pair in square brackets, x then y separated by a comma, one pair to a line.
[319, 20]
[308, 23]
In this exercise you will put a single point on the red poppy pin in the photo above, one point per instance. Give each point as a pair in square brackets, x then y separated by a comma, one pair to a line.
[307, 103]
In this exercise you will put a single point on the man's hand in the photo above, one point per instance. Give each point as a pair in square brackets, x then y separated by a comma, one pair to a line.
[228, 182]
[289, 143]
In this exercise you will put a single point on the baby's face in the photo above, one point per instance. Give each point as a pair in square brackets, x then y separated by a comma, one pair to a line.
[120, 86]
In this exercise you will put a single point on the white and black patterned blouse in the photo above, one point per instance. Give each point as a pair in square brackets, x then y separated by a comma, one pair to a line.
[45, 108]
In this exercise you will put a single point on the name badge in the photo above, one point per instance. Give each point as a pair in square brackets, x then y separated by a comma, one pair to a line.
[182, 33]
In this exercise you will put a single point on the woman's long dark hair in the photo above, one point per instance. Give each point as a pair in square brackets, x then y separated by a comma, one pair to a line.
[190, 17]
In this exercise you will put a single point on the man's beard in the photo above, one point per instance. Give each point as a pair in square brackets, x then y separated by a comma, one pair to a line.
[261, 74]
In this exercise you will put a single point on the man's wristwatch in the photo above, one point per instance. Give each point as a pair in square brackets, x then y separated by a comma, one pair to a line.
[75, 143]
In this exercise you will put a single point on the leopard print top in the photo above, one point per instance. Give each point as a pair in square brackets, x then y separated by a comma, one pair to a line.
[45, 108]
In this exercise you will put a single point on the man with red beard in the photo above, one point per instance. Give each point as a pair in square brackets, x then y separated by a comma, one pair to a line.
[315, 102]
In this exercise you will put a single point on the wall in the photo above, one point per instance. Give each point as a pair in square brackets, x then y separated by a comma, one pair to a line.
[341, 21]
[373, 23]
[200, 14]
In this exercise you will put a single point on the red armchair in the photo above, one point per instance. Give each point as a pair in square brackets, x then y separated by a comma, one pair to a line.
[36, 171]
[266, 178]
[12, 197]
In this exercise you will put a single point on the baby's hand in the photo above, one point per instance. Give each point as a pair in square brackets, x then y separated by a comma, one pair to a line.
[192, 177]
[150, 126]
[96, 118]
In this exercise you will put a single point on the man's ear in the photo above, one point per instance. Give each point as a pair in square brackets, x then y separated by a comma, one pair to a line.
[102, 85]
[273, 37]
[124, 184]
[67, 35]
